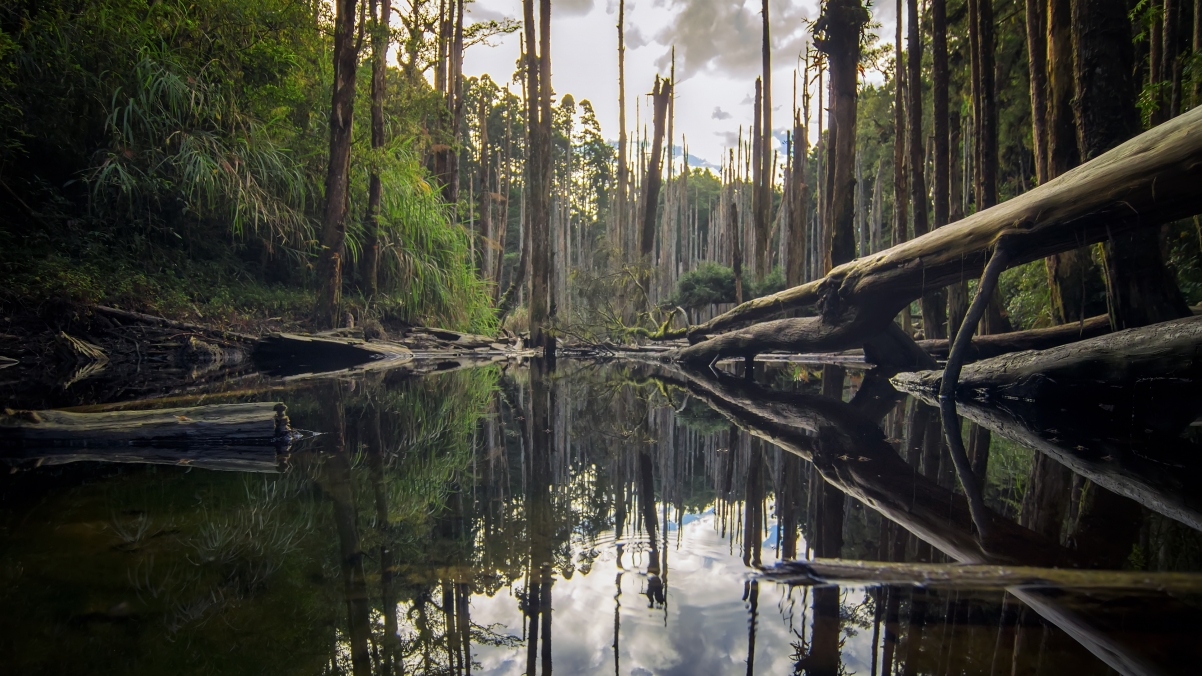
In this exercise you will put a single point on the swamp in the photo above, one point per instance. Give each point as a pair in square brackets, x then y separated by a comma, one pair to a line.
[340, 337]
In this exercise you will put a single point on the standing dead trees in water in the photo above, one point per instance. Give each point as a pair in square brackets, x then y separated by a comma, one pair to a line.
[333, 231]
[379, 67]
[837, 34]
[538, 169]
[484, 226]
[649, 200]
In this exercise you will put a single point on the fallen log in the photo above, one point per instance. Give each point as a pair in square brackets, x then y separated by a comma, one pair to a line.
[1109, 370]
[984, 347]
[240, 437]
[1146, 182]
[819, 572]
[172, 324]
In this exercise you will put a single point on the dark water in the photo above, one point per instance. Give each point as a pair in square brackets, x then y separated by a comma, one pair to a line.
[597, 519]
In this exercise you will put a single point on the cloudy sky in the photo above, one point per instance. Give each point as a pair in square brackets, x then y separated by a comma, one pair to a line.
[717, 58]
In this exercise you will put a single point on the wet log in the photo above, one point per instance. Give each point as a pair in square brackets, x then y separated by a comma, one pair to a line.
[1105, 370]
[240, 437]
[1146, 182]
[171, 324]
[819, 572]
[984, 347]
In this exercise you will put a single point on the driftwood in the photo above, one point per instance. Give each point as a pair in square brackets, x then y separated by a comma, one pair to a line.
[959, 576]
[1146, 182]
[1115, 366]
[241, 437]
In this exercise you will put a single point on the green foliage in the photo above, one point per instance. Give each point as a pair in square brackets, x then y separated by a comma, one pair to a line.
[710, 283]
[1025, 291]
[165, 152]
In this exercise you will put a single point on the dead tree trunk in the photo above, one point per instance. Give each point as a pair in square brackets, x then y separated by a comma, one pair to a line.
[379, 68]
[764, 186]
[538, 169]
[1141, 290]
[620, 223]
[1146, 182]
[1037, 65]
[333, 232]
[900, 191]
[650, 197]
[837, 34]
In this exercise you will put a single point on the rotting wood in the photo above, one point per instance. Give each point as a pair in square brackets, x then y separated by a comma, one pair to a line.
[984, 347]
[1146, 182]
[980, 577]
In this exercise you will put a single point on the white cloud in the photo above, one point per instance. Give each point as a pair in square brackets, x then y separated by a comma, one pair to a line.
[719, 114]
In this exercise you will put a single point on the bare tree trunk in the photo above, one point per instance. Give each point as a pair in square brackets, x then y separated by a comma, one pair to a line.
[764, 186]
[901, 216]
[333, 233]
[379, 68]
[933, 311]
[988, 135]
[484, 228]
[757, 165]
[1197, 99]
[620, 223]
[798, 189]
[1037, 64]
[1140, 289]
[650, 197]
[1069, 272]
[538, 66]
[736, 249]
[841, 24]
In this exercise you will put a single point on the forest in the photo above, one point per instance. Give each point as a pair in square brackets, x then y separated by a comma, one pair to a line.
[290, 164]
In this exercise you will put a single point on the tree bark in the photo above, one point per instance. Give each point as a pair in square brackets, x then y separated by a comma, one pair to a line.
[799, 197]
[333, 232]
[538, 168]
[900, 190]
[764, 187]
[620, 224]
[987, 134]
[1037, 65]
[840, 26]
[1140, 288]
[759, 232]
[649, 200]
[379, 69]
[484, 227]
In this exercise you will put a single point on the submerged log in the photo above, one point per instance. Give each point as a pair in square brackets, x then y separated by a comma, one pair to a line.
[976, 577]
[1106, 370]
[1146, 182]
[241, 437]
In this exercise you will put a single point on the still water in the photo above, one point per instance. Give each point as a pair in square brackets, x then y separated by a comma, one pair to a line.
[592, 518]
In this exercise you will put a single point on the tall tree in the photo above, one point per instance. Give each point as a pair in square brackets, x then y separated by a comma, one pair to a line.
[620, 224]
[1140, 289]
[1068, 273]
[764, 186]
[933, 311]
[342, 108]
[1037, 66]
[538, 169]
[379, 68]
[837, 33]
[798, 223]
[901, 216]
[484, 225]
[757, 177]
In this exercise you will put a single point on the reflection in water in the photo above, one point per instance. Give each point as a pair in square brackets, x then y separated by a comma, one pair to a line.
[494, 522]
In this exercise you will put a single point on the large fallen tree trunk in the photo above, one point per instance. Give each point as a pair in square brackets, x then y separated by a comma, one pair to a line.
[1109, 370]
[984, 347]
[1146, 182]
